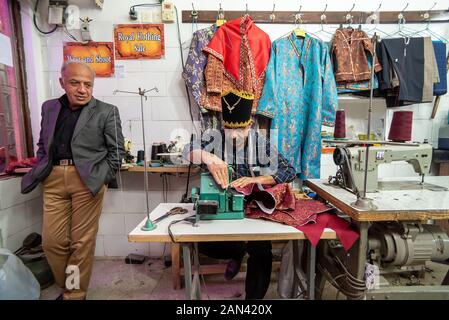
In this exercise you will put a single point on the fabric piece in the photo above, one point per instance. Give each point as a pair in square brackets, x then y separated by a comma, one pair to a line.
[440, 88]
[228, 41]
[193, 75]
[269, 198]
[406, 57]
[24, 163]
[299, 96]
[349, 51]
[341, 227]
[70, 225]
[305, 211]
[279, 203]
[430, 71]
[364, 85]
[237, 57]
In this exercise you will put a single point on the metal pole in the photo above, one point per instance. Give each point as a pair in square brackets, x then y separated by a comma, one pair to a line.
[148, 226]
[145, 173]
[368, 133]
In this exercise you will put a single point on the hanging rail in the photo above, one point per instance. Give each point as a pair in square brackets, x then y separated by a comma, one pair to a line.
[315, 17]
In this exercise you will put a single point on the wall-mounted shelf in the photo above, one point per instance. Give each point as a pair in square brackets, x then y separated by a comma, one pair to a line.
[174, 170]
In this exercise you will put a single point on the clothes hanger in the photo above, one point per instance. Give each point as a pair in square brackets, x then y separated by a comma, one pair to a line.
[322, 22]
[246, 11]
[220, 17]
[427, 29]
[298, 31]
[272, 15]
[403, 31]
[194, 15]
[376, 17]
[349, 19]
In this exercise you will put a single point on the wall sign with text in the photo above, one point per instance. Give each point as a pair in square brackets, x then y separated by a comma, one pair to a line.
[139, 41]
[99, 55]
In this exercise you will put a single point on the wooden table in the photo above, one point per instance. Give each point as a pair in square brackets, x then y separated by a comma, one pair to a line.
[392, 205]
[188, 236]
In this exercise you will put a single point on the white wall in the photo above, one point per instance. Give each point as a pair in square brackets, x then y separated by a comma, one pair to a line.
[20, 214]
[167, 111]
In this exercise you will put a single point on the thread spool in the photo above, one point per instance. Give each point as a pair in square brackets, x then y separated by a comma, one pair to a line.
[140, 156]
[340, 125]
[401, 126]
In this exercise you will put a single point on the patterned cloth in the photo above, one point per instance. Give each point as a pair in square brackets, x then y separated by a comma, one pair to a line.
[257, 146]
[238, 55]
[193, 75]
[269, 198]
[278, 203]
[349, 48]
[307, 215]
[364, 85]
[299, 95]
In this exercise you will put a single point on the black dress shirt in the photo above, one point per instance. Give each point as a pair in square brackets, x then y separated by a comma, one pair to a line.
[65, 125]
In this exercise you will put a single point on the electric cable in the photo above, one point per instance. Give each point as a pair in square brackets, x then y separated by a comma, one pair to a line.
[35, 22]
[183, 66]
[69, 34]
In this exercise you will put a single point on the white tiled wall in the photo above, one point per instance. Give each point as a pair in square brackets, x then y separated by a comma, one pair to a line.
[20, 214]
[166, 111]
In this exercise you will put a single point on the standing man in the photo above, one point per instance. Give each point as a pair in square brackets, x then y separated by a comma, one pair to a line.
[80, 151]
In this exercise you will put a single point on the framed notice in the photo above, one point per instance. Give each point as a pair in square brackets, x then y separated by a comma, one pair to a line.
[139, 41]
[99, 55]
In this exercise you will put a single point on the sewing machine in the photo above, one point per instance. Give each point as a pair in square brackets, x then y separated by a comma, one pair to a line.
[211, 202]
[351, 161]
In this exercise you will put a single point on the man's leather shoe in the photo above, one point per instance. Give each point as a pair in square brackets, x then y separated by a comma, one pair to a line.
[232, 268]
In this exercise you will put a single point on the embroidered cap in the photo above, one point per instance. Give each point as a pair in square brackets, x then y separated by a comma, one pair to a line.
[236, 108]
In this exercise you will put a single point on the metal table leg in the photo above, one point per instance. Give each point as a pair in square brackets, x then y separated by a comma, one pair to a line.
[192, 287]
[311, 269]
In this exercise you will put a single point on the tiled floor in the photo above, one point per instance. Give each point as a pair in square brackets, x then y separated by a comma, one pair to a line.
[112, 279]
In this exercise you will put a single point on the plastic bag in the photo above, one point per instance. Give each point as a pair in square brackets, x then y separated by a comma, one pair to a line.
[16, 280]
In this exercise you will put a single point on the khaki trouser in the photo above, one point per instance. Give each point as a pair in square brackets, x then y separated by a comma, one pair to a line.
[70, 226]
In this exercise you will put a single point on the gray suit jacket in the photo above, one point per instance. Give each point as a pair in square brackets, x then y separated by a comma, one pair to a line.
[97, 145]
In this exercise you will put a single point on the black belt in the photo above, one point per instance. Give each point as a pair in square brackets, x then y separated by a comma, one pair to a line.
[64, 162]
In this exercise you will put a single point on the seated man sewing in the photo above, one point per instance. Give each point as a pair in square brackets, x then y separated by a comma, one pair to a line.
[250, 154]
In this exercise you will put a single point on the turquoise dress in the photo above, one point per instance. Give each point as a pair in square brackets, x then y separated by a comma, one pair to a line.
[299, 95]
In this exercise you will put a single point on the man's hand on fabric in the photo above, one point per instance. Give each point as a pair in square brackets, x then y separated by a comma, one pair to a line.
[244, 181]
[217, 168]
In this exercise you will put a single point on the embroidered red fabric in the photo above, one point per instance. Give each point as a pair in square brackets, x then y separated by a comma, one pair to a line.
[278, 203]
[226, 42]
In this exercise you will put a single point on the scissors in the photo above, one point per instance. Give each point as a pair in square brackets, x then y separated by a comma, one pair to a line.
[173, 211]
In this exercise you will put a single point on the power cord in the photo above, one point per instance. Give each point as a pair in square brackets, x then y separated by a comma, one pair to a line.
[35, 21]
[69, 34]
[183, 66]
[190, 219]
